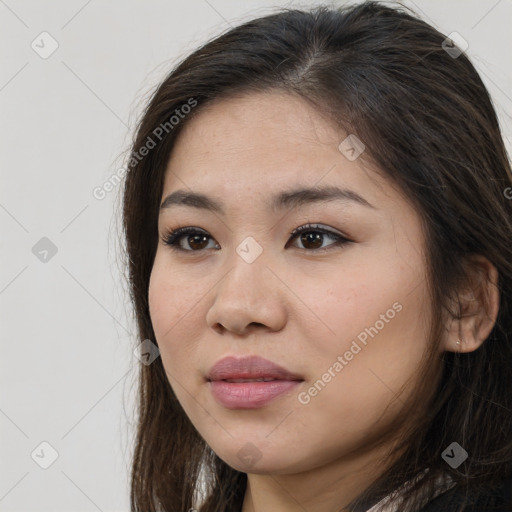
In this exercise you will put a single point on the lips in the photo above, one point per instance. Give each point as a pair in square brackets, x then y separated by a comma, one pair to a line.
[249, 382]
[249, 369]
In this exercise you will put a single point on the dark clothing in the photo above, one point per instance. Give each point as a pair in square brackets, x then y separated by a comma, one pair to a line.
[495, 499]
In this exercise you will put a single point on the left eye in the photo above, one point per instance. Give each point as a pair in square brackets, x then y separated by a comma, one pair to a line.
[314, 235]
[311, 236]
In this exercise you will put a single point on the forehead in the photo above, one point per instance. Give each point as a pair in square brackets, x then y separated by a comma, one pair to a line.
[274, 115]
[260, 139]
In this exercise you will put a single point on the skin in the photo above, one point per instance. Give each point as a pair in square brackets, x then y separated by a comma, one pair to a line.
[294, 305]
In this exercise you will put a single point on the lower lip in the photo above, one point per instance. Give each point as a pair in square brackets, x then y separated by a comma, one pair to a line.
[249, 395]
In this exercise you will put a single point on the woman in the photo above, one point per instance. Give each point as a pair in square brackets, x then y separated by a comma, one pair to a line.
[318, 239]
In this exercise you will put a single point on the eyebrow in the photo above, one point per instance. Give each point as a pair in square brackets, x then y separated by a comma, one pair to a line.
[287, 199]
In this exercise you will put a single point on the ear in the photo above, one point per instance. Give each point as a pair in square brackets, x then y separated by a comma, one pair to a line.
[477, 303]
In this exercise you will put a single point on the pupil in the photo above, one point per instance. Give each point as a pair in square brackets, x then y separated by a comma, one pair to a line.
[195, 238]
[316, 239]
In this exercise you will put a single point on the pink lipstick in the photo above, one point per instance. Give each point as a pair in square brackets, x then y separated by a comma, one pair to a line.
[249, 382]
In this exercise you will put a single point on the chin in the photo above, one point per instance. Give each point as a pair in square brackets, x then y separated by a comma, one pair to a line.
[249, 459]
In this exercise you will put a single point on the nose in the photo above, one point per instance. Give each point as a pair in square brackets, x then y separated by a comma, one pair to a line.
[248, 298]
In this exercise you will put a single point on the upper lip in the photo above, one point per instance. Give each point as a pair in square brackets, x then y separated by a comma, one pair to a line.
[248, 367]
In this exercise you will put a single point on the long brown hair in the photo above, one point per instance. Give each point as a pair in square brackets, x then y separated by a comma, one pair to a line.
[428, 122]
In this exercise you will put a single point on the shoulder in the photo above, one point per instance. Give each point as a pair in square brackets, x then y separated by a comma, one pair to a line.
[495, 498]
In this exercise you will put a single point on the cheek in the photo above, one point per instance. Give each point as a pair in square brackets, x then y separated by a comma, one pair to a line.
[176, 298]
[354, 298]
[381, 342]
[162, 299]
[174, 307]
[171, 297]
[376, 316]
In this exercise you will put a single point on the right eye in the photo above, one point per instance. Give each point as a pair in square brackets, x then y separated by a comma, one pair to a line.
[195, 237]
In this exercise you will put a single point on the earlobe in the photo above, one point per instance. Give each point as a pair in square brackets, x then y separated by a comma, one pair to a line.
[478, 304]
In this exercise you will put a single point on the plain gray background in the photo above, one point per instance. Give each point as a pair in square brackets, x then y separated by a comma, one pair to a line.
[67, 365]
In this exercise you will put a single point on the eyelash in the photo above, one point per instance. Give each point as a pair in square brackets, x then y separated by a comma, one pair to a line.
[174, 236]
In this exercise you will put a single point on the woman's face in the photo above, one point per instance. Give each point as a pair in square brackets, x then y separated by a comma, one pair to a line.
[347, 320]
